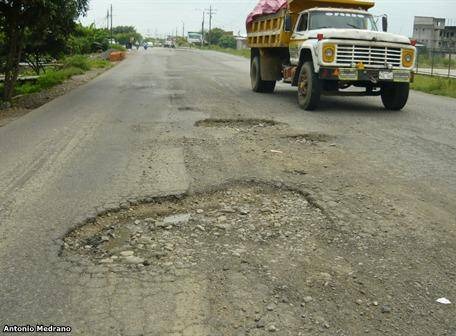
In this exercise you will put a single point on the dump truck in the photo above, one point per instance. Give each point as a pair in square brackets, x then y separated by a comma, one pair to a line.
[329, 47]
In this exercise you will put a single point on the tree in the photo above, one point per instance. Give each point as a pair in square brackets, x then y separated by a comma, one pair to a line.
[213, 37]
[125, 34]
[39, 17]
[41, 44]
[86, 40]
[227, 41]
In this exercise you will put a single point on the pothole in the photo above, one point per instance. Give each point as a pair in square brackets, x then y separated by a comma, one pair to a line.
[185, 108]
[237, 123]
[309, 138]
[241, 222]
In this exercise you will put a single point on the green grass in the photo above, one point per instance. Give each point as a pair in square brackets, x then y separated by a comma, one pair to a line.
[117, 47]
[77, 61]
[243, 52]
[72, 66]
[435, 85]
[98, 63]
[425, 61]
[47, 80]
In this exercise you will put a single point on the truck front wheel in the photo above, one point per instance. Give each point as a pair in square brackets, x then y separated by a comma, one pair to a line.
[259, 85]
[309, 88]
[395, 95]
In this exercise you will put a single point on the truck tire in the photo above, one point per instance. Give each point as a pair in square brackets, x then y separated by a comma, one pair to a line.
[259, 85]
[395, 95]
[309, 87]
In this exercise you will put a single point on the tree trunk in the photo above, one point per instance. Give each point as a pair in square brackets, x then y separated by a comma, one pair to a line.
[14, 40]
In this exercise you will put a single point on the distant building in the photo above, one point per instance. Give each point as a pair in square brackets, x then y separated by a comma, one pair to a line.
[449, 37]
[241, 42]
[432, 33]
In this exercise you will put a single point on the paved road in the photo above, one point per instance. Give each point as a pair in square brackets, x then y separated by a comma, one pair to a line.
[121, 137]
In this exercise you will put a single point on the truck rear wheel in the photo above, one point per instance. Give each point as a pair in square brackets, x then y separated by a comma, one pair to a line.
[395, 95]
[309, 88]
[259, 85]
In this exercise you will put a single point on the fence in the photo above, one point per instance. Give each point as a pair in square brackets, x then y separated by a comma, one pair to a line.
[436, 62]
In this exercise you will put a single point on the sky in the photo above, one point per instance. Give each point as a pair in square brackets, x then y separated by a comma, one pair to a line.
[164, 17]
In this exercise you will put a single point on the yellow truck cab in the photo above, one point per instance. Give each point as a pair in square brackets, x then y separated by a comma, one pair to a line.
[327, 46]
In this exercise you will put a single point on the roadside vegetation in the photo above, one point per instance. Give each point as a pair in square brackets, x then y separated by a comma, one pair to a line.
[72, 66]
[435, 85]
[425, 60]
[41, 38]
[238, 52]
[222, 41]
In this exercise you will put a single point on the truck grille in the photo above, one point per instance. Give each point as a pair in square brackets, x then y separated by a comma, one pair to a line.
[348, 54]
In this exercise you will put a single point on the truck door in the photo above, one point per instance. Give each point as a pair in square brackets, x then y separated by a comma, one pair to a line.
[300, 34]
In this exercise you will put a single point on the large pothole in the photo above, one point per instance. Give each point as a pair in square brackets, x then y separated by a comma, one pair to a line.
[241, 222]
[237, 123]
[309, 138]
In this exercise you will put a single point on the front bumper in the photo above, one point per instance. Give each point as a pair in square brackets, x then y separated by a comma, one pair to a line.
[366, 75]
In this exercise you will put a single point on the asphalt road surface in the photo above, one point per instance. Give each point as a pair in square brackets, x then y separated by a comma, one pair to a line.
[130, 134]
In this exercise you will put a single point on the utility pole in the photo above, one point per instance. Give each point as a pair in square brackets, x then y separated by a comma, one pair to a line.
[202, 30]
[107, 20]
[183, 29]
[111, 24]
[211, 13]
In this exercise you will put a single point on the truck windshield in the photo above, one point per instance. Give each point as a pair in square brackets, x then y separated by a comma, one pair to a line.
[344, 20]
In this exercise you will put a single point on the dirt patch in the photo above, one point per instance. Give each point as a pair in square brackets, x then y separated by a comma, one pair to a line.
[237, 123]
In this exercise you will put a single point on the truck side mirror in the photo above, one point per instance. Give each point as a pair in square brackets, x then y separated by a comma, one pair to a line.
[384, 23]
[287, 26]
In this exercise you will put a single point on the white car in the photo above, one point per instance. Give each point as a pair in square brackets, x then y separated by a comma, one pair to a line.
[169, 44]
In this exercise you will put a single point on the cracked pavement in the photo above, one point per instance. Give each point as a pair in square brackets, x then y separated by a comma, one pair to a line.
[385, 182]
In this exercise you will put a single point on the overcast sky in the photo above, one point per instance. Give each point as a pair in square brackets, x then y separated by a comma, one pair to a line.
[163, 17]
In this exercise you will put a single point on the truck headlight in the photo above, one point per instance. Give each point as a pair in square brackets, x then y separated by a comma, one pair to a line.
[329, 53]
[408, 58]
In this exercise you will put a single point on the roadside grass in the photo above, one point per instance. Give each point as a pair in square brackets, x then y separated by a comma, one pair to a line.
[242, 52]
[424, 60]
[435, 85]
[117, 47]
[72, 66]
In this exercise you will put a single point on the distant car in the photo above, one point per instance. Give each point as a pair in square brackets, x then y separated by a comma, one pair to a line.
[169, 44]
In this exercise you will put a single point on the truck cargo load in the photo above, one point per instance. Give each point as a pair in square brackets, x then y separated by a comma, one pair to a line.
[265, 7]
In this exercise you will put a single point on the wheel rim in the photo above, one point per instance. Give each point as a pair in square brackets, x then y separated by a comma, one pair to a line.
[303, 85]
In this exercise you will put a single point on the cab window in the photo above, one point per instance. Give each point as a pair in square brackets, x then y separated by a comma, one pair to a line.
[303, 21]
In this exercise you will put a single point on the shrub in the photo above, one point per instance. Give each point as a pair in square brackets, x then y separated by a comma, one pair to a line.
[98, 63]
[227, 41]
[77, 61]
[117, 47]
[55, 77]
[27, 88]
